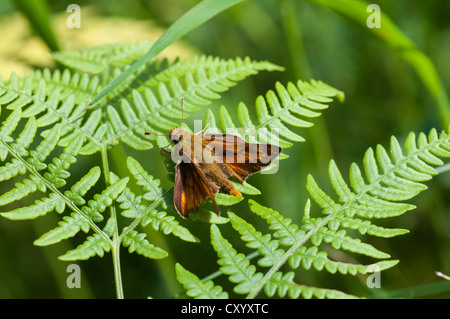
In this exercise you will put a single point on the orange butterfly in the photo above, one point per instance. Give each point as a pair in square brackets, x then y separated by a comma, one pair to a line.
[205, 162]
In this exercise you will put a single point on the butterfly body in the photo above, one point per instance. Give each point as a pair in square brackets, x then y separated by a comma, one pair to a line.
[205, 162]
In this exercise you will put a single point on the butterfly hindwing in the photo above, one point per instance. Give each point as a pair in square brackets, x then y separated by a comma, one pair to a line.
[191, 189]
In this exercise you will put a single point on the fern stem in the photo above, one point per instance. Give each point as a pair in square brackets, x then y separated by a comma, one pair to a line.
[117, 239]
[138, 219]
[255, 291]
[444, 168]
[117, 270]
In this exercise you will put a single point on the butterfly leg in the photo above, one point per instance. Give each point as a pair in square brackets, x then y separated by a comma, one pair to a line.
[163, 150]
[204, 129]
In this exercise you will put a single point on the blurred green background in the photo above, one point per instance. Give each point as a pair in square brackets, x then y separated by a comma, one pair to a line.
[384, 97]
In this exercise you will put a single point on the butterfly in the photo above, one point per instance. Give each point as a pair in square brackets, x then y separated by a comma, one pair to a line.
[204, 163]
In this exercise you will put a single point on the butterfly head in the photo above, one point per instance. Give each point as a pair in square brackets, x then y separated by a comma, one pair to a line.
[177, 134]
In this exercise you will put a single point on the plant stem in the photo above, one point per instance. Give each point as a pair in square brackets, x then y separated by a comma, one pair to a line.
[117, 270]
[117, 239]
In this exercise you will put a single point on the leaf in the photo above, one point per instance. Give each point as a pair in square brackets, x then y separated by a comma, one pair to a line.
[293, 104]
[39, 208]
[255, 240]
[94, 245]
[283, 284]
[136, 242]
[101, 201]
[196, 288]
[68, 227]
[235, 265]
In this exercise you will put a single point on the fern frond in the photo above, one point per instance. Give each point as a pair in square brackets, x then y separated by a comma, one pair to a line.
[152, 109]
[34, 100]
[255, 240]
[98, 59]
[234, 264]
[196, 288]
[270, 256]
[202, 67]
[101, 201]
[399, 179]
[284, 284]
[293, 104]
[80, 86]
[389, 182]
[136, 242]
[54, 178]
[94, 245]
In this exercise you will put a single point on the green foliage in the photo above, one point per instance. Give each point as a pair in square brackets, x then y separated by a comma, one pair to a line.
[390, 180]
[51, 138]
[47, 130]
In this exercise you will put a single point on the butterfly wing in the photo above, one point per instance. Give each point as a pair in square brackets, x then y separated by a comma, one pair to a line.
[240, 157]
[191, 189]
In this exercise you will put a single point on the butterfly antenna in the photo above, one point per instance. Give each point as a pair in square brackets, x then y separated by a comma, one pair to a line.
[181, 101]
[206, 126]
[150, 133]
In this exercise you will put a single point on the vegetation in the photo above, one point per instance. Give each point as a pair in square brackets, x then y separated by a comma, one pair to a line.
[77, 164]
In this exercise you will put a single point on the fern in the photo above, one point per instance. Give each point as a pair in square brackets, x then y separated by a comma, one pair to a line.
[141, 109]
[47, 131]
[293, 104]
[390, 181]
[47, 138]
[99, 59]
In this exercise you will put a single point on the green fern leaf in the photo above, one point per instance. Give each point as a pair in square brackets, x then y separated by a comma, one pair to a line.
[68, 227]
[196, 288]
[284, 284]
[147, 110]
[232, 70]
[340, 240]
[39, 208]
[94, 245]
[313, 257]
[98, 59]
[366, 199]
[81, 187]
[147, 182]
[43, 150]
[8, 126]
[235, 265]
[101, 201]
[25, 138]
[287, 106]
[72, 224]
[57, 171]
[136, 242]
[285, 230]
[263, 243]
[72, 85]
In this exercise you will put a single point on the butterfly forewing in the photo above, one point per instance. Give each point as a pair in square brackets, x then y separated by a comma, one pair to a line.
[206, 163]
[241, 157]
